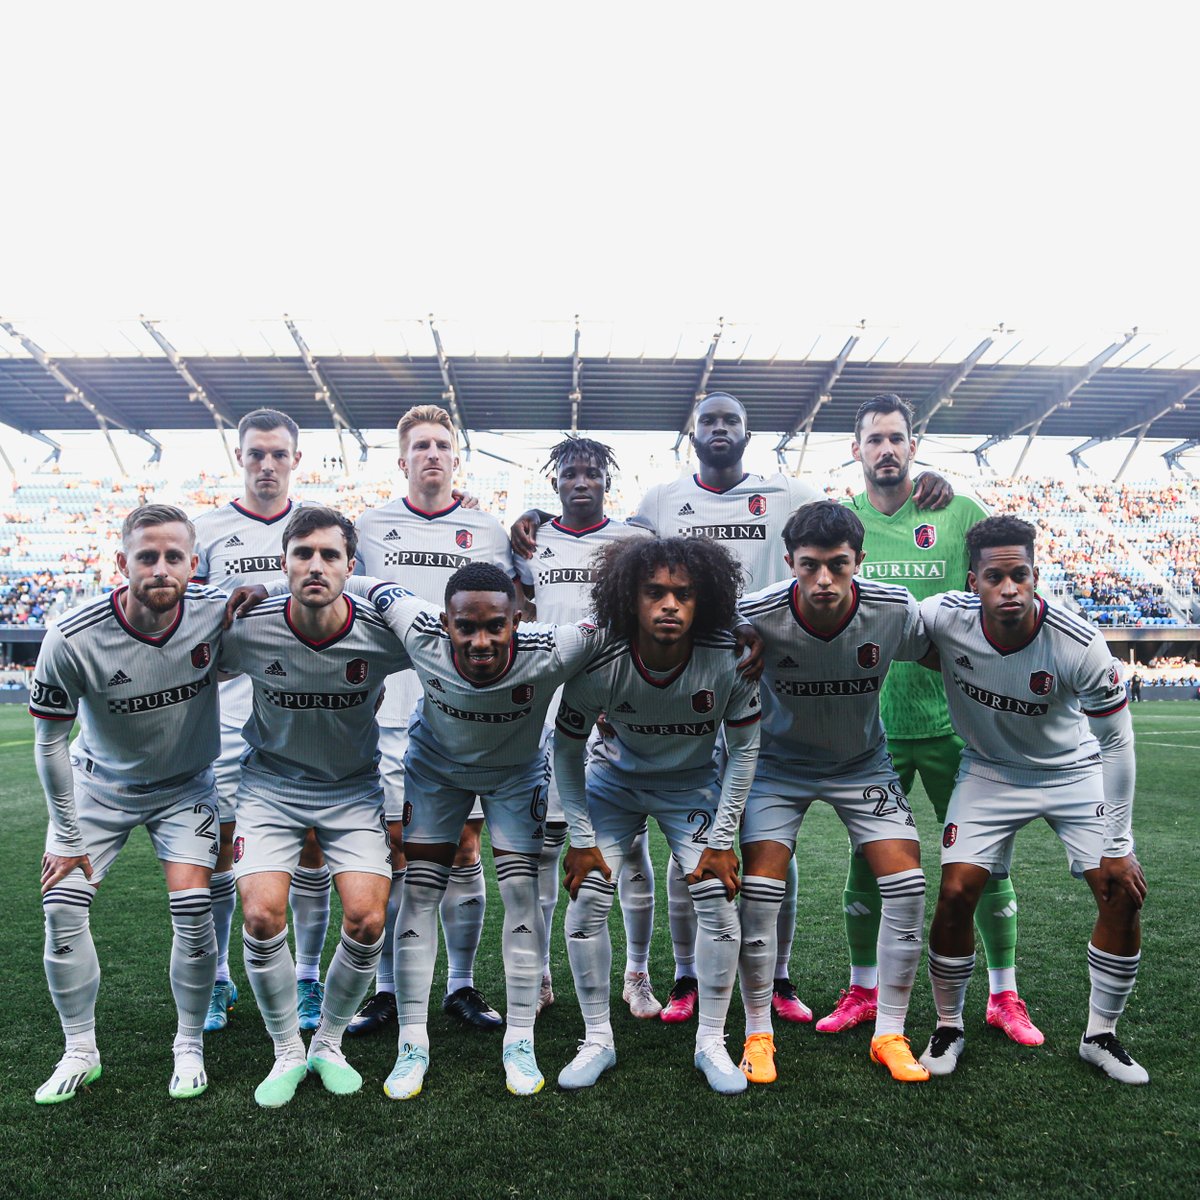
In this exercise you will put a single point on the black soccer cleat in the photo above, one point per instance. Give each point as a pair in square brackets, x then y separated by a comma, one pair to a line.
[468, 1007]
[378, 1013]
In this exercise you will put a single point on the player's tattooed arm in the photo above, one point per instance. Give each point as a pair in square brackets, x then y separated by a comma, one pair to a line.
[932, 491]
[53, 759]
[523, 534]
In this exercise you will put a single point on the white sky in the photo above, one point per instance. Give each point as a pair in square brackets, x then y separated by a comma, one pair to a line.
[923, 166]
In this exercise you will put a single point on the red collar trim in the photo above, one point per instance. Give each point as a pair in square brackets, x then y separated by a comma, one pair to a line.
[1006, 650]
[156, 639]
[644, 671]
[429, 516]
[325, 643]
[824, 637]
[578, 532]
[283, 512]
[720, 491]
[508, 666]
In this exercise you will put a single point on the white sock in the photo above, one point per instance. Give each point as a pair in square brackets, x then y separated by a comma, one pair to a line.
[718, 945]
[761, 898]
[589, 946]
[272, 976]
[72, 967]
[949, 977]
[385, 976]
[898, 951]
[521, 942]
[548, 882]
[309, 900]
[635, 889]
[193, 968]
[350, 974]
[414, 1035]
[463, 906]
[1113, 977]
[416, 940]
[682, 918]
[864, 977]
[786, 923]
[1002, 979]
[224, 901]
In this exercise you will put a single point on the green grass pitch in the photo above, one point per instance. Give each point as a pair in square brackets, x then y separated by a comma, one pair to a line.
[1011, 1121]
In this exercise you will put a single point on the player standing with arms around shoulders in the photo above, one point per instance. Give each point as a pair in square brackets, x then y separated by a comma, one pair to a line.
[1037, 697]
[667, 681]
[137, 667]
[830, 640]
[559, 583]
[240, 544]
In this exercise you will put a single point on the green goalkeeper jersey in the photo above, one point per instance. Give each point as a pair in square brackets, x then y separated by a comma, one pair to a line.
[925, 552]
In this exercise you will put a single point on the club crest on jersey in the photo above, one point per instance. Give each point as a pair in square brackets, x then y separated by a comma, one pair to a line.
[1041, 683]
[463, 539]
[949, 836]
[356, 670]
[757, 505]
[925, 536]
[239, 848]
[703, 701]
[868, 655]
[201, 655]
[522, 693]
[1114, 679]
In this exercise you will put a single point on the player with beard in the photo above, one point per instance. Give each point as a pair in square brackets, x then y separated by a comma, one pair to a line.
[746, 514]
[925, 553]
[558, 582]
[137, 667]
[239, 544]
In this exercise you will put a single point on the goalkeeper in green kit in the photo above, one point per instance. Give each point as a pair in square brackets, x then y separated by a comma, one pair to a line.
[925, 552]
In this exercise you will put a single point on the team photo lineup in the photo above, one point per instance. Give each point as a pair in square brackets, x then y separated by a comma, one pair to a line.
[291, 702]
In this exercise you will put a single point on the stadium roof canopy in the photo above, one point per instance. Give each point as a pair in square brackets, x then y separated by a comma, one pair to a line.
[143, 375]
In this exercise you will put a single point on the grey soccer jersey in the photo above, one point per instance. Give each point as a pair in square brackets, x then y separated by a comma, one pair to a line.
[666, 727]
[236, 547]
[478, 734]
[820, 692]
[747, 519]
[147, 706]
[421, 550]
[1023, 711]
[560, 571]
[313, 720]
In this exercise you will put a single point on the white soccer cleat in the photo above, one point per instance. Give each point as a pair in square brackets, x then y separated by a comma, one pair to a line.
[1105, 1051]
[639, 995]
[329, 1064]
[76, 1069]
[723, 1074]
[408, 1075]
[189, 1078]
[280, 1085]
[587, 1066]
[521, 1073]
[944, 1050]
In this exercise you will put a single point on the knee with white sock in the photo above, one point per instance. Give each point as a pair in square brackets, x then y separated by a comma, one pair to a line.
[193, 957]
[901, 923]
[1112, 978]
[635, 888]
[681, 915]
[72, 967]
[549, 881]
[762, 899]
[718, 946]
[463, 906]
[309, 900]
[224, 900]
[350, 974]
[385, 974]
[523, 937]
[416, 938]
[589, 947]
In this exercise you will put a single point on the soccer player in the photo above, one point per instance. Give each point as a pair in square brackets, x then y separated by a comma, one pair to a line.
[136, 667]
[239, 544]
[1037, 698]
[830, 640]
[422, 538]
[559, 583]
[479, 731]
[318, 660]
[667, 681]
[925, 553]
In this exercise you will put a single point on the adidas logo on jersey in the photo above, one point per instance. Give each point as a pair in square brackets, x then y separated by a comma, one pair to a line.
[234, 541]
[625, 707]
[276, 668]
[547, 553]
[435, 684]
[687, 511]
[787, 662]
[119, 678]
[392, 535]
[964, 662]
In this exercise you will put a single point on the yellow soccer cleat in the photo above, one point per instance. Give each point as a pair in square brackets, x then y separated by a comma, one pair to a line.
[893, 1050]
[758, 1058]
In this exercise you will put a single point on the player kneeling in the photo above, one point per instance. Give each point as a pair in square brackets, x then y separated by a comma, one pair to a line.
[1036, 696]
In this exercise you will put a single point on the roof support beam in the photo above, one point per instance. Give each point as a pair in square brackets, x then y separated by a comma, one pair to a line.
[1033, 418]
[217, 408]
[701, 385]
[942, 396]
[1173, 455]
[820, 397]
[73, 393]
[1140, 422]
[326, 394]
[450, 391]
[576, 396]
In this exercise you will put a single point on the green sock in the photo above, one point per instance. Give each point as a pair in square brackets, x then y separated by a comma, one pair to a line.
[996, 920]
[862, 906]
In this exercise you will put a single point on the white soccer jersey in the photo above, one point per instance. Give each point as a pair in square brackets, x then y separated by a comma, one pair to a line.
[820, 692]
[747, 519]
[480, 733]
[147, 706]
[420, 551]
[666, 727]
[313, 720]
[237, 547]
[560, 571]
[1023, 711]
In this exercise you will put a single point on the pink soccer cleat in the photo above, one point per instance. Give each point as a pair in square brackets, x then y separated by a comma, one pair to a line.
[681, 1003]
[1007, 1011]
[853, 1008]
[787, 1005]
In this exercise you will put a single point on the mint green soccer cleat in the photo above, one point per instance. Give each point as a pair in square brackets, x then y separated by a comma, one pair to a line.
[330, 1066]
[309, 995]
[280, 1085]
[220, 1005]
[75, 1069]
